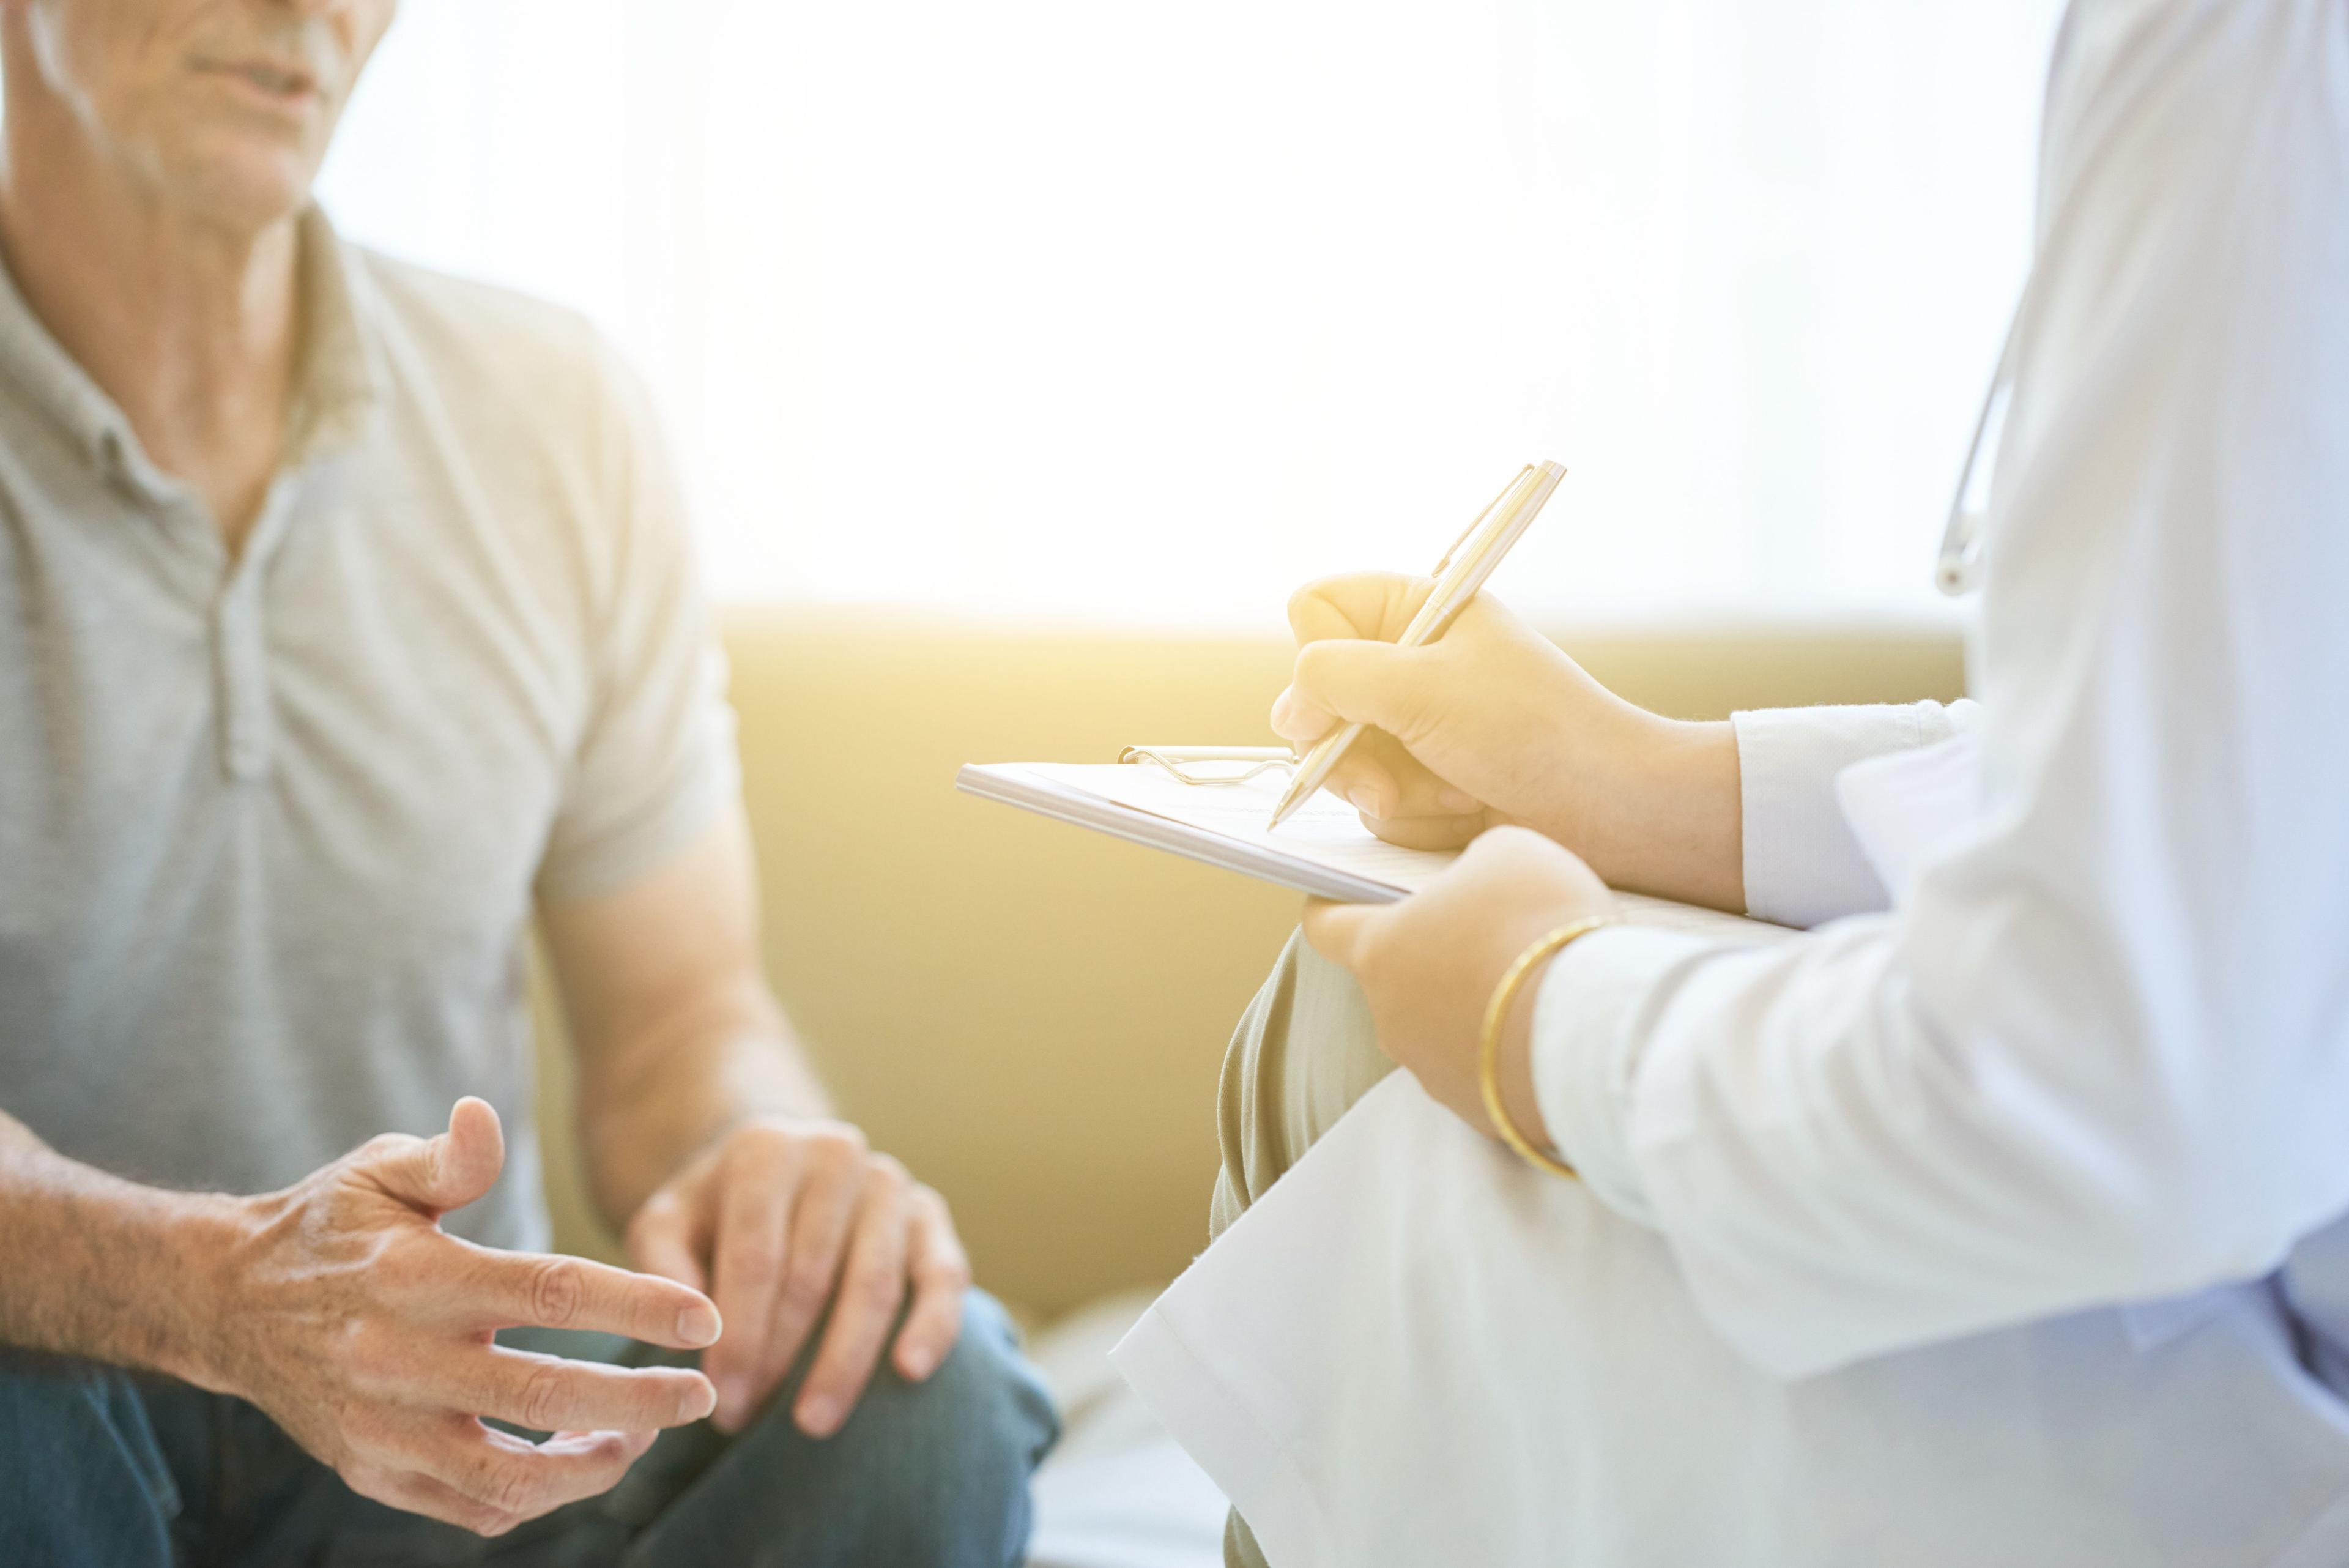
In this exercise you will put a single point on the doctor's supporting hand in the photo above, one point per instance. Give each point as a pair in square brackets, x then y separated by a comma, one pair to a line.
[1493, 724]
[1429, 964]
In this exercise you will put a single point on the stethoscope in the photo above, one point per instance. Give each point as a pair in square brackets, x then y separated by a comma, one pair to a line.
[1957, 570]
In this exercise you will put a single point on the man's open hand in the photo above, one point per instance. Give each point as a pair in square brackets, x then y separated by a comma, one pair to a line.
[365, 1331]
[784, 1216]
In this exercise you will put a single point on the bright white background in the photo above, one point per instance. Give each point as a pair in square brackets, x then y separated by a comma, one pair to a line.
[1107, 311]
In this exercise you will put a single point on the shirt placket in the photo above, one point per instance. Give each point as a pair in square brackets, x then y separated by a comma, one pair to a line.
[240, 634]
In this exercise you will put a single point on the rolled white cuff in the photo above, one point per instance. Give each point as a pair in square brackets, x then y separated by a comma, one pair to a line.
[1586, 1029]
[1803, 865]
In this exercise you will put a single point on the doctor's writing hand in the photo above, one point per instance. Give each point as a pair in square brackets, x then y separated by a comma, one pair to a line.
[784, 1217]
[1429, 964]
[363, 1329]
[1492, 724]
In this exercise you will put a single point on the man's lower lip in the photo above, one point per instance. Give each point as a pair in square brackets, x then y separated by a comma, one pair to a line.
[298, 97]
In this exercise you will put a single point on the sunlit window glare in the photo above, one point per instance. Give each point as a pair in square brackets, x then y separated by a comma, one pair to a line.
[1055, 309]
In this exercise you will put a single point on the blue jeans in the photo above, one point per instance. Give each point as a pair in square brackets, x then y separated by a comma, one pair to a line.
[102, 1469]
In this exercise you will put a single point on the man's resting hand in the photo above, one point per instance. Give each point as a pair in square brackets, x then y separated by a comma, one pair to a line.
[342, 1309]
[784, 1217]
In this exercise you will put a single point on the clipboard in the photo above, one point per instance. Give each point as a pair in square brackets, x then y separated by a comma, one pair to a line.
[1212, 804]
[1208, 803]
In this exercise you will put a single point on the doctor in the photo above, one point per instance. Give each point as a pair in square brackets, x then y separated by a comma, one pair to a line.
[2062, 1069]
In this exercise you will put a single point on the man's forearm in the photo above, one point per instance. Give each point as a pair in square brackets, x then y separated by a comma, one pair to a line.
[669, 1094]
[95, 1266]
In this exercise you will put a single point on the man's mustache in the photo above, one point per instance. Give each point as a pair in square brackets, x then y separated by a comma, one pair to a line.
[309, 45]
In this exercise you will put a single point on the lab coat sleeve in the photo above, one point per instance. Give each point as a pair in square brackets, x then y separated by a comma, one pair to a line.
[2100, 1053]
[1802, 867]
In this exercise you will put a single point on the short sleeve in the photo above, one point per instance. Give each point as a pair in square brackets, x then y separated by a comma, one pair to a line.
[655, 765]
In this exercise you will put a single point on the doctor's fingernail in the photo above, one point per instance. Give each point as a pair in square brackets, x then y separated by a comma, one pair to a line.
[734, 1395]
[818, 1416]
[1365, 799]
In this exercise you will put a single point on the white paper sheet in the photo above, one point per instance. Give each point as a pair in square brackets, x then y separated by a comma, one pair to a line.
[1324, 832]
[1325, 828]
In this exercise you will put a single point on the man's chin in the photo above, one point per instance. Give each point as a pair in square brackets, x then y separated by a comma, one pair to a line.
[245, 188]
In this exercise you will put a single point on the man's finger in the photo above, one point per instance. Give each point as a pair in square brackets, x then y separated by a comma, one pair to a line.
[415, 1492]
[522, 1479]
[551, 1393]
[941, 1276]
[758, 1177]
[507, 1290]
[666, 1238]
[447, 1170]
[828, 1201]
[863, 1308]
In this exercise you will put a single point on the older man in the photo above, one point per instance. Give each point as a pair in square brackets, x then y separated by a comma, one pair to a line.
[347, 619]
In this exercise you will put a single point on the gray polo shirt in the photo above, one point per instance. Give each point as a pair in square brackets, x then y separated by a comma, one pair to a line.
[271, 829]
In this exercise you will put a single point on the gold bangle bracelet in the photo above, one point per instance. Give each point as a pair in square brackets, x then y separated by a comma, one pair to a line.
[1488, 1051]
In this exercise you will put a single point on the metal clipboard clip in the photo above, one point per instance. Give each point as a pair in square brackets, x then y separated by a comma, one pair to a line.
[1178, 761]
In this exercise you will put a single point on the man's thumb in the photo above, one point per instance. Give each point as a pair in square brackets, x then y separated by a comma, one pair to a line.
[1361, 681]
[449, 1170]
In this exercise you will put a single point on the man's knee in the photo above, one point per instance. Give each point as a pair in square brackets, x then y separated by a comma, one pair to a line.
[1304, 1052]
[949, 1458]
[929, 1475]
[983, 1415]
[82, 1478]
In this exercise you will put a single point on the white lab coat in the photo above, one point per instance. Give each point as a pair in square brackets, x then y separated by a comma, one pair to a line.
[2098, 1051]
[2001, 1218]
